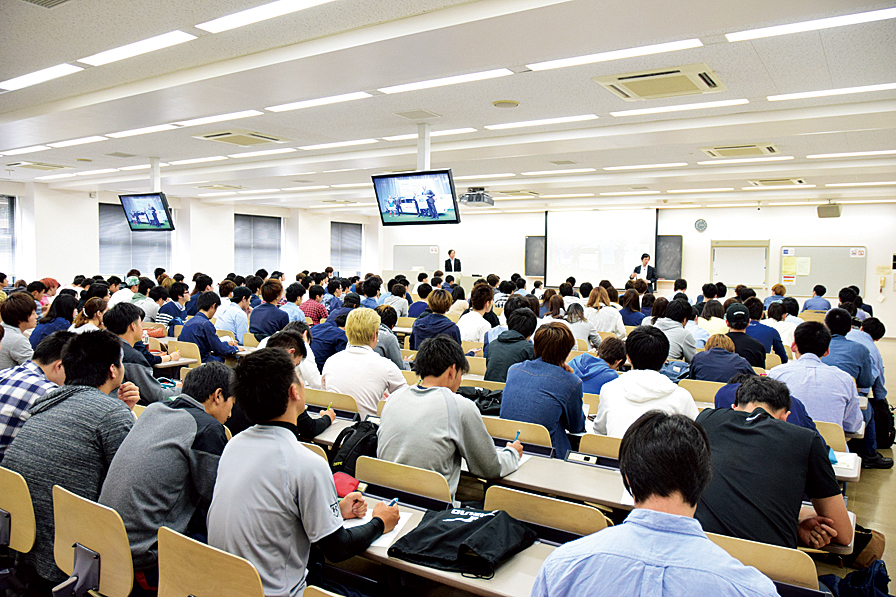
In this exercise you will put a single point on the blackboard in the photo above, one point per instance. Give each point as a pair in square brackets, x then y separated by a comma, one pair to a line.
[535, 250]
[668, 257]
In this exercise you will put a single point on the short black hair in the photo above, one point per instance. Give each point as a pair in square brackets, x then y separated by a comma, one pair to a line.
[287, 339]
[87, 357]
[874, 327]
[63, 307]
[611, 349]
[262, 273]
[647, 347]
[203, 282]
[388, 315]
[178, 277]
[50, 348]
[436, 281]
[812, 337]
[121, 316]
[678, 310]
[204, 380]
[423, 291]
[158, 292]
[422, 276]
[709, 290]
[565, 289]
[239, 280]
[763, 390]
[145, 286]
[294, 292]
[523, 320]
[662, 454]
[520, 283]
[847, 295]
[158, 272]
[537, 284]
[177, 290]
[316, 290]
[791, 305]
[721, 290]
[113, 280]
[680, 284]
[261, 383]
[819, 289]
[839, 321]
[332, 286]
[36, 286]
[207, 300]
[437, 354]
[755, 307]
[513, 303]
[253, 283]
[585, 289]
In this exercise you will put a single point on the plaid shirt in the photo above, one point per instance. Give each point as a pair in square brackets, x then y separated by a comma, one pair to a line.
[314, 310]
[19, 388]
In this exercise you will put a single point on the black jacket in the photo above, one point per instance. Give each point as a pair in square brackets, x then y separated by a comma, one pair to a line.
[508, 349]
[450, 265]
[651, 276]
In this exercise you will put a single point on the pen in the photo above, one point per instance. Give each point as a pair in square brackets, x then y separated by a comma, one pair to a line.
[393, 502]
[517, 435]
[330, 405]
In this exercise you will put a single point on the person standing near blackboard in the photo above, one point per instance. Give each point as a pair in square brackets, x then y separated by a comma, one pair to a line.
[646, 272]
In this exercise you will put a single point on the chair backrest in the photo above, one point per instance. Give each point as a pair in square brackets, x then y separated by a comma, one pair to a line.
[548, 512]
[177, 330]
[225, 334]
[410, 377]
[154, 344]
[138, 410]
[477, 365]
[187, 350]
[309, 321]
[405, 322]
[772, 360]
[323, 398]
[183, 373]
[593, 401]
[780, 564]
[379, 408]
[188, 567]
[582, 344]
[833, 435]
[530, 433]
[402, 477]
[605, 335]
[481, 383]
[600, 445]
[98, 528]
[575, 353]
[317, 450]
[407, 342]
[408, 354]
[629, 329]
[16, 499]
[228, 433]
[789, 352]
[468, 346]
[500, 311]
[453, 316]
[249, 339]
[759, 370]
[702, 391]
[813, 316]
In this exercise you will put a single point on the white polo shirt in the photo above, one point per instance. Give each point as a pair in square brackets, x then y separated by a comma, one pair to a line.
[473, 327]
[363, 374]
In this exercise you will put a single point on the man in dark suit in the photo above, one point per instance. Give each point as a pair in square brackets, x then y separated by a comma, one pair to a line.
[649, 275]
[452, 264]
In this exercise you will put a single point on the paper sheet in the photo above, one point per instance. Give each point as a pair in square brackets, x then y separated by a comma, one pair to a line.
[466, 469]
[882, 270]
[788, 266]
[803, 266]
[385, 539]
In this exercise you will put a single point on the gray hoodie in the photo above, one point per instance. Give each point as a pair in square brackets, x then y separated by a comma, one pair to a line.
[682, 346]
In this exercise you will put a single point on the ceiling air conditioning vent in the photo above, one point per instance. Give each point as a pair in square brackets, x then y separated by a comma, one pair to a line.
[520, 192]
[564, 163]
[418, 115]
[46, 3]
[241, 137]
[37, 166]
[221, 187]
[741, 151]
[778, 182]
[692, 79]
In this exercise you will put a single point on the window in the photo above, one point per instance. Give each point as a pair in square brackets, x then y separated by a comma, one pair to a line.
[121, 249]
[345, 248]
[256, 243]
[7, 234]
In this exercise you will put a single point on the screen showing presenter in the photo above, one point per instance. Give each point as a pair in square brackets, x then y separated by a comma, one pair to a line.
[646, 272]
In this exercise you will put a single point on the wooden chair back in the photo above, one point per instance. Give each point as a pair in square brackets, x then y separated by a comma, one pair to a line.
[177, 330]
[582, 345]
[228, 433]
[98, 528]
[468, 346]
[789, 352]
[225, 334]
[452, 316]
[813, 316]
[408, 354]
[772, 360]
[379, 408]
[410, 377]
[702, 391]
[593, 401]
[605, 335]
[405, 322]
[187, 350]
[629, 329]
[548, 512]
[16, 499]
[183, 373]
[575, 353]
[500, 311]
[402, 477]
[407, 342]
[188, 567]
[781, 564]
[477, 365]
[481, 383]
[249, 339]
[323, 398]
[833, 435]
[759, 370]
[530, 433]
[138, 410]
[154, 344]
[317, 450]
[600, 445]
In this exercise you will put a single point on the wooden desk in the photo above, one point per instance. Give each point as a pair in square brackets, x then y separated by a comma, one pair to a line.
[400, 330]
[569, 480]
[848, 468]
[182, 362]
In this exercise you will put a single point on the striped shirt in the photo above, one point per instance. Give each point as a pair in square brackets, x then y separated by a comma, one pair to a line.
[19, 388]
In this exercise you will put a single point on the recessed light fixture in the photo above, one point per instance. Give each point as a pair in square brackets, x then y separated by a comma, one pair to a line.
[444, 133]
[715, 190]
[627, 193]
[172, 38]
[484, 176]
[467, 78]
[22, 150]
[224, 194]
[729, 205]
[214, 158]
[55, 176]
[779, 187]
[830, 92]
[648, 166]
[309, 188]
[100, 171]
[550, 172]
[257, 14]
[671, 46]
[541, 122]
[344, 170]
[807, 203]
[813, 25]
[142, 131]
[854, 154]
[566, 196]
[862, 184]
[47, 74]
[352, 185]
[219, 118]
[258, 191]
[255, 154]
[321, 101]
[776, 158]
[141, 167]
[681, 108]
[338, 144]
[80, 141]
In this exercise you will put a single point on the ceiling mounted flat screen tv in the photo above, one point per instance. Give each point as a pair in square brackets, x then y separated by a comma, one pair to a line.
[147, 212]
[417, 198]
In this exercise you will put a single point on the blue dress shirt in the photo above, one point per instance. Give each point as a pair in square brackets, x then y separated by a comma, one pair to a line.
[370, 302]
[267, 319]
[879, 387]
[233, 319]
[200, 331]
[769, 337]
[851, 357]
[817, 303]
[293, 311]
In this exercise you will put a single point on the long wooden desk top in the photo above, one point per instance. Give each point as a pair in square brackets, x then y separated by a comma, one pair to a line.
[571, 481]
[182, 362]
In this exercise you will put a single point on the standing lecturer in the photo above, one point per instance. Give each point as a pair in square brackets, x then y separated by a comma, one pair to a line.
[646, 272]
[452, 264]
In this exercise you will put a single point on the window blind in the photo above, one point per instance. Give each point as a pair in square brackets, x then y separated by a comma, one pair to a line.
[7, 235]
[257, 241]
[121, 249]
[345, 248]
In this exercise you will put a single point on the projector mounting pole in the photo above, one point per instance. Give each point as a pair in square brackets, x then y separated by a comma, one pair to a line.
[423, 149]
[155, 175]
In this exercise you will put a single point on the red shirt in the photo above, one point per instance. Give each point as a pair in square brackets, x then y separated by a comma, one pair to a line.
[314, 310]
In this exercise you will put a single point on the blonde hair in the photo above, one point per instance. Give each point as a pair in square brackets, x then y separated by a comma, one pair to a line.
[361, 326]
[720, 341]
[779, 289]
[598, 298]
[167, 282]
[439, 301]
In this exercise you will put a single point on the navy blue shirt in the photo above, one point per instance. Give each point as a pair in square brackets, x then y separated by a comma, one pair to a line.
[172, 314]
[717, 364]
[417, 308]
[254, 301]
[630, 317]
[192, 306]
[769, 337]
[59, 324]
[201, 332]
[430, 326]
[326, 340]
[267, 320]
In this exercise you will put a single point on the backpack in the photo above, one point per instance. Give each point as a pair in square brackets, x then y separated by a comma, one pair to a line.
[351, 443]
[883, 423]
[871, 582]
[487, 401]
[675, 370]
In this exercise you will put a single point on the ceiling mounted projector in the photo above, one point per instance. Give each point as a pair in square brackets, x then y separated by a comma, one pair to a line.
[476, 196]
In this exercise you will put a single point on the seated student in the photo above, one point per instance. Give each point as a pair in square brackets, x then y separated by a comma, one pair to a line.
[417, 308]
[267, 318]
[544, 390]
[271, 491]
[174, 312]
[718, 362]
[142, 291]
[201, 331]
[761, 502]
[604, 319]
[737, 317]
[709, 292]
[329, 338]
[643, 388]
[157, 479]
[397, 301]
[19, 314]
[359, 371]
[566, 291]
[511, 346]
[313, 308]
[294, 293]
[472, 324]
[90, 318]
[513, 303]
[681, 285]
[126, 292]
[422, 278]
[849, 296]
[546, 301]
[556, 310]
[253, 283]
[581, 328]
[331, 300]
[203, 283]
[597, 371]
[58, 318]
[460, 305]
[769, 336]
[776, 319]
[727, 396]
[372, 287]
[505, 289]
[647, 301]
[69, 439]
[537, 289]
[700, 335]
[682, 345]
[225, 291]
[631, 308]
[817, 302]
[435, 323]
[872, 330]
[235, 317]
[386, 343]
[157, 297]
[350, 300]
[659, 549]
[778, 292]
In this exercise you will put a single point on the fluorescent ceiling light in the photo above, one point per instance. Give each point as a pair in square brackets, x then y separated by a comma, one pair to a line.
[255, 154]
[141, 167]
[484, 176]
[352, 185]
[715, 190]
[258, 191]
[444, 133]
[777, 158]
[677, 206]
[626, 193]
[339, 144]
[814, 25]
[214, 158]
[308, 188]
[22, 150]
[514, 197]
[480, 76]
[566, 196]
[345, 170]
[829, 92]
[729, 205]
[55, 176]
[142, 131]
[779, 187]
[182, 184]
[322, 101]
[224, 194]
[648, 166]
[671, 46]
[862, 184]
[806, 203]
[301, 174]
[47, 74]
[854, 154]
[257, 14]
[172, 38]
[541, 122]
[100, 171]
[550, 172]
[681, 107]
[219, 118]
[869, 201]
[327, 206]
[80, 141]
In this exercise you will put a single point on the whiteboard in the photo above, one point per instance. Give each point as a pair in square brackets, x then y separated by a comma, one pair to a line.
[406, 258]
[832, 267]
[740, 265]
